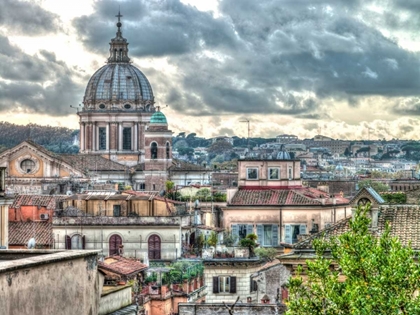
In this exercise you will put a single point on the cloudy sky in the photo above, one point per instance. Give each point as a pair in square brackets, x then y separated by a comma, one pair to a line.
[348, 69]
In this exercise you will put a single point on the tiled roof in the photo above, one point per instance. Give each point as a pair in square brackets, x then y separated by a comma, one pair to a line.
[21, 232]
[47, 201]
[404, 221]
[121, 265]
[94, 162]
[295, 196]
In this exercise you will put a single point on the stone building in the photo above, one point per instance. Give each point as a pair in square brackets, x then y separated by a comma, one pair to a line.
[5, 202]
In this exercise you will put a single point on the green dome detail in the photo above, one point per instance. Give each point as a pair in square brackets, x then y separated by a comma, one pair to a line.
[158, 118]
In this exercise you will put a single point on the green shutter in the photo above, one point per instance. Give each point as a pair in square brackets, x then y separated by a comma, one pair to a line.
[275, 231]
[260, 234]
[288, 233]
[235, 232]
[249, 229]
[302, 229]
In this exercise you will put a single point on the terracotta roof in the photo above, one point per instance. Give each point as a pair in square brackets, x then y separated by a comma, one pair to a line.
[91, 162]
[121, 265]
[404, 221]
[47, 201]
[294, 196]
[21, 232]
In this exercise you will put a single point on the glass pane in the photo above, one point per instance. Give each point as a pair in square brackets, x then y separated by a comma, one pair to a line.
[127, 138]
[268, 235]
[102, 138]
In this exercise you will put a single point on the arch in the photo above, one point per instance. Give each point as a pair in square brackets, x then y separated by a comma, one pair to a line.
[153, 150]
[77, 241]
[154, 247]
[168, 150]
[115, 241]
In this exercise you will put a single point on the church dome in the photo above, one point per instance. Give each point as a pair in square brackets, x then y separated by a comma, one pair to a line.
[283, 154]
[158, 118]
[118, 84]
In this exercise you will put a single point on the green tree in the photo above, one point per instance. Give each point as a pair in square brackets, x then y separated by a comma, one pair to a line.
[378, 186]
[381, 276]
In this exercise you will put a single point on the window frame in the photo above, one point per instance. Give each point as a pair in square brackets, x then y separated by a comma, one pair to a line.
[126, 138]
[102, 138]
[248, 169]
[269, 175]
[154, 150]
[224, 286]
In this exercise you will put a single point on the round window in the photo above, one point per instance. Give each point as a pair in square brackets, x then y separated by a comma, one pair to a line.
[102, 106]
[27, 165]
[127, 106]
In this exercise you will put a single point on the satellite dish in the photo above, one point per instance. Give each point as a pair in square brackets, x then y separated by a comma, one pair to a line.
[31, 243]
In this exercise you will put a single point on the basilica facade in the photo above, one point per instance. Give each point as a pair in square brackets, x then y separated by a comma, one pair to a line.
[124, 137]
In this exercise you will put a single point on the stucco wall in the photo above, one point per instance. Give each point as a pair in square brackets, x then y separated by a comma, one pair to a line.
[134, 238]
[59, 283]
[114, 301]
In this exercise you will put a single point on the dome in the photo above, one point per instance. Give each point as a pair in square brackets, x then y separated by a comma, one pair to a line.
[118, 82]
[158, 118]
[283, 154]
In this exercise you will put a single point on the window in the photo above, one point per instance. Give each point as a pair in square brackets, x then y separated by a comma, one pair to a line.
[268, 234]
[126, 138]
[77, 242]
[252, 173]
[154, 247]
[291, 232]
[27, 165]
[142, 186]
[117, 210]
[273, 173]
[168, 150]
[153, 150]
[224, 284]
[115, 241]
[290, 173]
[240, 231]
[102, 138]
[127, 106]
[102, 106]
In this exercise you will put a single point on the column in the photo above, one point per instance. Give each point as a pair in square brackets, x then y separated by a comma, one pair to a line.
[135, 131]
[120, 136]
[94, 128]
[82, 136]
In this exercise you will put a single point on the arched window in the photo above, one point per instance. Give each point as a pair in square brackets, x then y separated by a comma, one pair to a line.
[153, 150]
[115, 242]
[154, 247]
[168, 150]
[77, 242]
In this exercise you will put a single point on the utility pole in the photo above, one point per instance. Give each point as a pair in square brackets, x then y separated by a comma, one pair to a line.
[249, 130]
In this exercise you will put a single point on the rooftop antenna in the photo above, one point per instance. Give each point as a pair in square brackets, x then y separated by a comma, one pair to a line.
[249, 129]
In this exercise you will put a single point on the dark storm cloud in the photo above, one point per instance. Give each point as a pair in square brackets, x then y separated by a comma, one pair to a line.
[38, 83]
[263, 56]
[27, 18]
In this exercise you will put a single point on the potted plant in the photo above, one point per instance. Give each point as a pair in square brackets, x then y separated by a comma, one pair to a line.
[250, 242]
[212, 240]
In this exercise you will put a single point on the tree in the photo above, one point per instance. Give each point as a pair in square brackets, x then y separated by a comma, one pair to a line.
[381, 276]
[378, 186]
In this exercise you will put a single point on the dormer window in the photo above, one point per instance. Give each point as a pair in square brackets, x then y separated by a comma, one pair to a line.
[252, 173]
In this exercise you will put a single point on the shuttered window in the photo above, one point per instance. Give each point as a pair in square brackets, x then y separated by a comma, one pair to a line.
[154, 247]
[115, 242]
[224, 284]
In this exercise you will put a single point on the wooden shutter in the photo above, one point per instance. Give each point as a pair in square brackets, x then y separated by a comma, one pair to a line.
[235, 232]
[302, 229]
[232, 284]
[260, 234]
[215, 284]
[275, 231]
[249, 229]
[67, 241]
[288, 233]
[83, 242]
[154, 247]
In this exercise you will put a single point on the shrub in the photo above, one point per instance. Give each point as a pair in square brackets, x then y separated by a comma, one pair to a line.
[267, 253]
